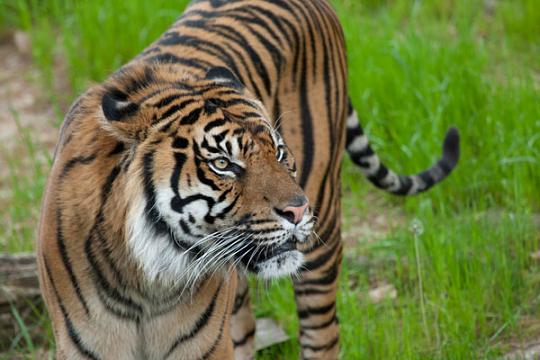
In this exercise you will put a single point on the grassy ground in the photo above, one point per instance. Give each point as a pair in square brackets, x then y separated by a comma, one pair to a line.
[466, 284]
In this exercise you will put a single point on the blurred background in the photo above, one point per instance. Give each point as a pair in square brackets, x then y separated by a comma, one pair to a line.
[450, 274]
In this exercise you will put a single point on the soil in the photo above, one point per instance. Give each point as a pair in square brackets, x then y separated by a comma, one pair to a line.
[22, 100]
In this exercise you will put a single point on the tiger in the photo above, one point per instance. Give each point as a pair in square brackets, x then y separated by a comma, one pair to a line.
[214, 153]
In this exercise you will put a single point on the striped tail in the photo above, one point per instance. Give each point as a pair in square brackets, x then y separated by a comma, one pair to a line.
[363, 155]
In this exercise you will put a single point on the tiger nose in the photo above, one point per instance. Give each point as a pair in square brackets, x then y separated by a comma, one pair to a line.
[295, 210]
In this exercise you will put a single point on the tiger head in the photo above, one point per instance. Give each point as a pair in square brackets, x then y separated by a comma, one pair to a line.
[210, 182]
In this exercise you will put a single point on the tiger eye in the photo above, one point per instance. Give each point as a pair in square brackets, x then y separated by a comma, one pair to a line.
[221, 163]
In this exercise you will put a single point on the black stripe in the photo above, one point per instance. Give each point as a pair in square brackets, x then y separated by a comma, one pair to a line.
[185, 227]
[228, 145]
[427, 178]
[319, 310]
[236, 37]
[275, 53]
[167, 100]
[231, 102]
[199, 324]
[175, 108]
[178, 203]
[99, 277]
[307, 124]
[180, 143]
[85, 160]
[202, 176]
[311, 291]
[218, 138]
[218, 339]
[239, 301]
[379, 176]
[72, 332]
[118, 149]
[328, 279]
[117, 309]
[133, 82]
[251, 18]
[295, 32]
[228, 209]
[151, 212]
[277, 21]
[192, 117]
[322, 259]
[358, 155]
[180, 159]
[243, 341]
[326, 346]
[326, 233]
[213, 124]
[173, 59]
[215, 50]
[262, 231]
[209, 148]
[66, 261]
[333, 320]
[350, 135]
[201, 25]
[224, 194]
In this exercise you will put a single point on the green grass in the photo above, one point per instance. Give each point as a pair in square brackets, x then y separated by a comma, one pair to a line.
[27, 165]
[416, 67]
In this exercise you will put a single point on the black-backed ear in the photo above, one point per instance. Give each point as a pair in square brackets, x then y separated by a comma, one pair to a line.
[116, 106]
[123, 118]
[223, 75]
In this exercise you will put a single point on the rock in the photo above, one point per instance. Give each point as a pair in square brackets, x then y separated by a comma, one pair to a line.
[528, 352]
[383, 292]
[268, 333]
[22, 42]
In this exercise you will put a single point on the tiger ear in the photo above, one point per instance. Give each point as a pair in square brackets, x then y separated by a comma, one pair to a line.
[123, 118]
[222, 75]
[116, 106]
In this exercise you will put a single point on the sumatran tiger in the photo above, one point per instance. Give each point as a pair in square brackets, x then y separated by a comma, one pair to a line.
[176, 176]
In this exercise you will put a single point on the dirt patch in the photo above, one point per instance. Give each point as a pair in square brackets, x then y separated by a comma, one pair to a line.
[372, 222]
[22, 101]
[27, 139]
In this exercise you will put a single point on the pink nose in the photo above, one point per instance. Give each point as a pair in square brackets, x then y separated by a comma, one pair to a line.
[295, 213]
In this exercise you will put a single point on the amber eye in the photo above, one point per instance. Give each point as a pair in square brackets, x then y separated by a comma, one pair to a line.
[221, 163]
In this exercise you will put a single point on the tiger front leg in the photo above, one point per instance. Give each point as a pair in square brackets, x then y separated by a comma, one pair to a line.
[243, 322]
[315, 293]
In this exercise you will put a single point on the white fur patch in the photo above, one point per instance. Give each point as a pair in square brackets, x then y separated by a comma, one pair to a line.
[358, 144]
[280, 265]
[417, 185]
[156, 255]
[373, 166]
[391, 181]
[352, 120]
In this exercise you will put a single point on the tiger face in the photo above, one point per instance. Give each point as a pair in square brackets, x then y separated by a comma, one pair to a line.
[218, 181]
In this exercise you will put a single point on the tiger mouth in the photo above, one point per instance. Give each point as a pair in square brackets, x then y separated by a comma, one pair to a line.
[257, 254]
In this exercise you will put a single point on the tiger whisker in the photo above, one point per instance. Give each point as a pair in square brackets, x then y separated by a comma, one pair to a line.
[208, 258]
[231, 253]
[195, 264]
